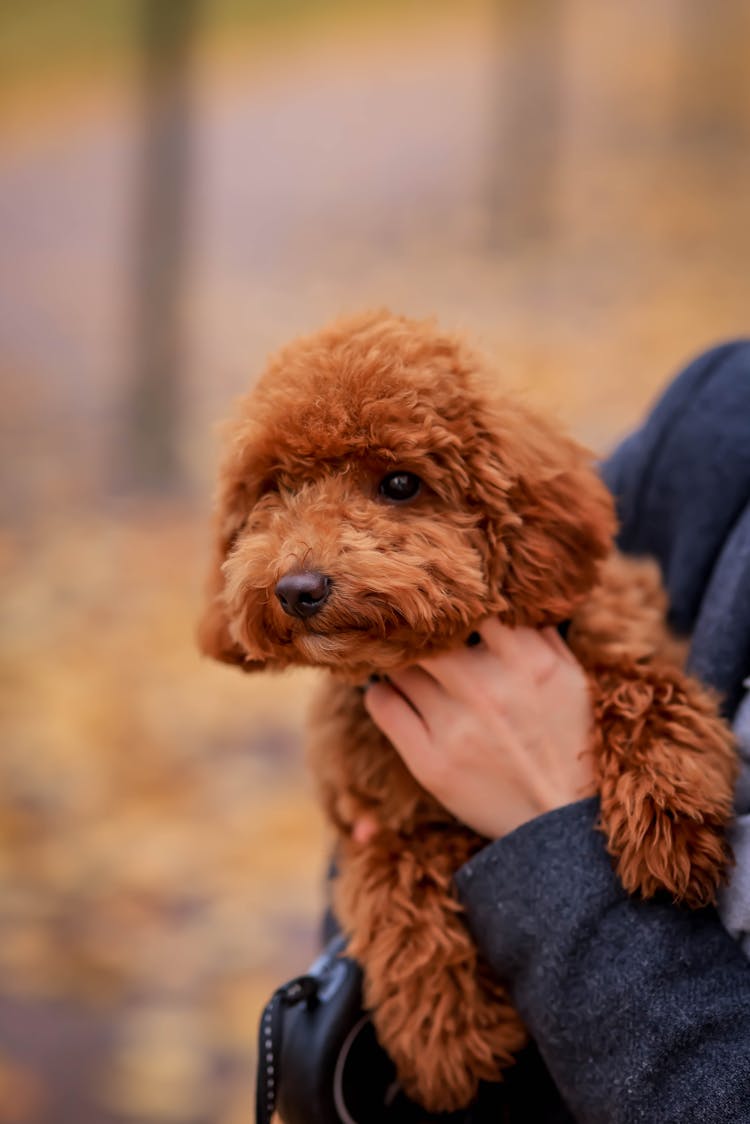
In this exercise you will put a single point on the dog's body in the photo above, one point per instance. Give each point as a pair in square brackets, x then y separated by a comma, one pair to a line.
[329, 554]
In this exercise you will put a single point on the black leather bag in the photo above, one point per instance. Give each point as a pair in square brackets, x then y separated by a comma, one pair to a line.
[319, 1060]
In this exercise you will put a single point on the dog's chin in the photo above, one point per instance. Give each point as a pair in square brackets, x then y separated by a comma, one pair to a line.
[354, 654]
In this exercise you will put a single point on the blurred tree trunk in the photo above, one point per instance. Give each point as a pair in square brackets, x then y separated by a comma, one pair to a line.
[712, 72]
[153, 398]
[525, 120]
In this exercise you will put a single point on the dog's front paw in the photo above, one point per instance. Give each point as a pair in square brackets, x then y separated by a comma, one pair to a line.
[667, 768]
[668, 834]
[657, 848]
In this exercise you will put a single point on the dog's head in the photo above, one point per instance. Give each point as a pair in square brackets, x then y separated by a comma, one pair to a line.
[376, 500]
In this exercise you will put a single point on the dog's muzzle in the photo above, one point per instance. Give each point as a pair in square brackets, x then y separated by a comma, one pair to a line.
[303, 594]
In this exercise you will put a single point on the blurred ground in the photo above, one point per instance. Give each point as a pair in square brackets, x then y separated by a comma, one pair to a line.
[161, 858]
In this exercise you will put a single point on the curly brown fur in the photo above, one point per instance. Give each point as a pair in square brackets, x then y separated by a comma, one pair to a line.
[511, 519]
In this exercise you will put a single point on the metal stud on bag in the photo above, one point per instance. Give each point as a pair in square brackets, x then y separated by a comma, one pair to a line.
[302, 989]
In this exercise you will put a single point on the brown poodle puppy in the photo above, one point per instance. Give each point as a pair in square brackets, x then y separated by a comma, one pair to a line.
[376, 500]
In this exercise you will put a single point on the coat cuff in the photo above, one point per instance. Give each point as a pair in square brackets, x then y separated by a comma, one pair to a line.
[533, 889]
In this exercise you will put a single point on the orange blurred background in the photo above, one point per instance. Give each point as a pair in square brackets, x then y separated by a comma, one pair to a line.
[184, 185]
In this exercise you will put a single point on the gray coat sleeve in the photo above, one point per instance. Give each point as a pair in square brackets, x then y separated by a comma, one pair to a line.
[641, 1010]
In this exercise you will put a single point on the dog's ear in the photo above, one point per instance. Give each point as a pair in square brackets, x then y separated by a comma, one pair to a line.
[549, 518]
[213, 635]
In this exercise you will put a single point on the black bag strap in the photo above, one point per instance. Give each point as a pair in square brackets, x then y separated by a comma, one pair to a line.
[301, 989]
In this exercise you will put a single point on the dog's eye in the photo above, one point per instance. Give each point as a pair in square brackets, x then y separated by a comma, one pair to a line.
[400, 486]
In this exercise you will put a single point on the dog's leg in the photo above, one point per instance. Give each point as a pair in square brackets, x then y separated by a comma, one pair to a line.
[443, 1019]
[438, 1012]
[666, 767]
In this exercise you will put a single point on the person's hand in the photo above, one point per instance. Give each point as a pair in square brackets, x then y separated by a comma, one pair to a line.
[498, 733]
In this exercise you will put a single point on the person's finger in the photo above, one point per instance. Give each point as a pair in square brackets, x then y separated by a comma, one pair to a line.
[422, 691]
[507, 643]
[400, 723]
[556, 642]
[364, 828]
[526, 653]
[455, 671]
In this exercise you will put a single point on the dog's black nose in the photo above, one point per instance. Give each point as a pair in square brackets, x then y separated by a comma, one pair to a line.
[303, 594]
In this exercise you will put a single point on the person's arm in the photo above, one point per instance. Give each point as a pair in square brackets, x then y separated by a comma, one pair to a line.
[641, 1010]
